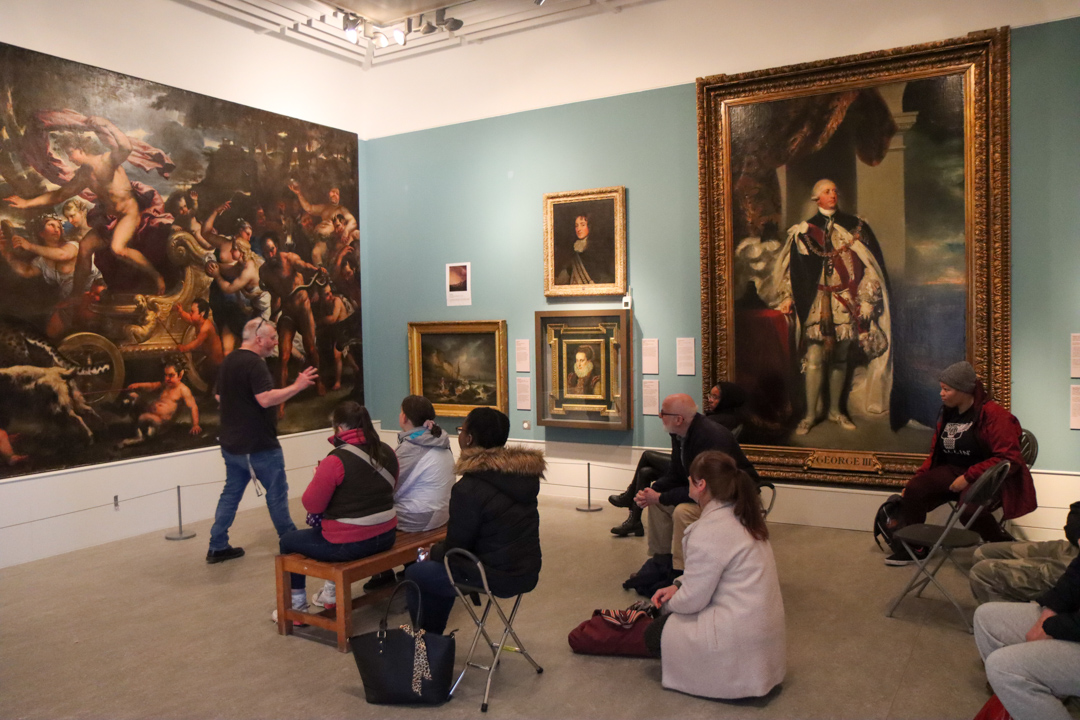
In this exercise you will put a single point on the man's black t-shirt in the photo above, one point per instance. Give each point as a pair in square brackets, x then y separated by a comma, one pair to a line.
[959, 441]
[246, 426]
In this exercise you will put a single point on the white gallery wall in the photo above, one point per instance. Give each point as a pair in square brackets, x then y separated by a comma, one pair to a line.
[654, 45]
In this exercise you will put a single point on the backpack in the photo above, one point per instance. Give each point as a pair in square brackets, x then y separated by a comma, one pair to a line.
[656, 573]
[889, 512]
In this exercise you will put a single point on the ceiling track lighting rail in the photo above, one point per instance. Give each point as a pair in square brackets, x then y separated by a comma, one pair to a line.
[345, 33]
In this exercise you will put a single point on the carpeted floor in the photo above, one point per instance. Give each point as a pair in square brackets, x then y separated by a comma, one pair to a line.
[144, 628]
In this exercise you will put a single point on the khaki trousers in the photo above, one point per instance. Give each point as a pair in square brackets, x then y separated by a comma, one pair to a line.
[667, 523]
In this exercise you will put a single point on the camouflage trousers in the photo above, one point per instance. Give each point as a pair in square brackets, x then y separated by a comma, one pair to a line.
[1018, 571]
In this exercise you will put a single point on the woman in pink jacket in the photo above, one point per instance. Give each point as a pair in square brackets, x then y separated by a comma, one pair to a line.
[353, 492]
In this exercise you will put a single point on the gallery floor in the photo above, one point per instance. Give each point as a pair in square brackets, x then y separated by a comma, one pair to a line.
[144, 628]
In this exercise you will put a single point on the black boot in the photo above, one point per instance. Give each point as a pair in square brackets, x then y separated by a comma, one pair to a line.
[632, 525]
[625, 499]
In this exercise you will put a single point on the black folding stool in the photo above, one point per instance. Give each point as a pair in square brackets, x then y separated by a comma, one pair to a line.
[943, 539]
[464, 590]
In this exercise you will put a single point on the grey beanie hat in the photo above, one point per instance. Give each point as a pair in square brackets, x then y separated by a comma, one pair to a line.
[959, 376]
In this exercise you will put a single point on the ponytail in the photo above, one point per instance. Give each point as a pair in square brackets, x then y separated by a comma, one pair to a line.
[727, 483]
[421, 413]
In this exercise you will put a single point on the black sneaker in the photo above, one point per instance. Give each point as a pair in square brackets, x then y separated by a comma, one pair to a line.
[383, 579]
[216, 556]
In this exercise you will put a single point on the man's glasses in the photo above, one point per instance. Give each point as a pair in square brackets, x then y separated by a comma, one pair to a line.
[667, 414]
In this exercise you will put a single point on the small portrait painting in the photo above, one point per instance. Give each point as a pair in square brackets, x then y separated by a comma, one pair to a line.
[584, 379]
[585, 243]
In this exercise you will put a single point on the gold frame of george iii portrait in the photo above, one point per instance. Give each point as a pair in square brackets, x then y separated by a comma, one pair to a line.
[493, 332]
[977, 64]
[560, 213]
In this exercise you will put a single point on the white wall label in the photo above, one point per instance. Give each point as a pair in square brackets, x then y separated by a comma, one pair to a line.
[521, 355]
[650, 356]
[684, 356]
[650, 397]
[524, 393]
[1074, 355]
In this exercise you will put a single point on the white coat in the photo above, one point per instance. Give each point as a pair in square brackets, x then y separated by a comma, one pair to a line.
[725, 637]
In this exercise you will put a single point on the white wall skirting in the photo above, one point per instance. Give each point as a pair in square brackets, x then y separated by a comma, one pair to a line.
[55, 513]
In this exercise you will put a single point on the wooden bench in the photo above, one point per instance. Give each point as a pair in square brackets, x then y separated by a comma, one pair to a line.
[343, 576]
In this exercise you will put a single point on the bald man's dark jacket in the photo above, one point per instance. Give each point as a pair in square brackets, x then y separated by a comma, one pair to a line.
[702, 435]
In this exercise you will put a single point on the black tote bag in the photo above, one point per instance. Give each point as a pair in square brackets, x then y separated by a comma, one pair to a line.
[397, 672]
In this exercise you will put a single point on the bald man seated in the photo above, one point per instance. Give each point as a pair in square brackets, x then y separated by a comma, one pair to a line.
[667, 499]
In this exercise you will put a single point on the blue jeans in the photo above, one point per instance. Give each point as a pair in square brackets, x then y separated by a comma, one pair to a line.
[436, 598]
[312, 544]
[269, 467]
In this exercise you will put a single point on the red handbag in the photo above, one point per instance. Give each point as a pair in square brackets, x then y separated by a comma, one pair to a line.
[993, 710]
[612, 632]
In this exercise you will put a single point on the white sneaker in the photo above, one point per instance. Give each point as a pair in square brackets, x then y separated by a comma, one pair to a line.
[326, 597]
[302, 608]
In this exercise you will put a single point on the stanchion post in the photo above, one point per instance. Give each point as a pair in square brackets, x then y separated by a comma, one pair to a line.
[179, 534]
[589, 507]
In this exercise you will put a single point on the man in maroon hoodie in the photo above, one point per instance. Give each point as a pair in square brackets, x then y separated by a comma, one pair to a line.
[973, 434]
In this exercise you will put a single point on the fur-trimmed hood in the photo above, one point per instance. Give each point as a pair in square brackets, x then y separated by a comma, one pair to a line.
[513, 471]
[507, 459]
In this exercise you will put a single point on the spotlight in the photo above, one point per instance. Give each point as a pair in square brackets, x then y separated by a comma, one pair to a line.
[399, 36]
[538, 2]
[446, 23]
[350, 24]
[427, 28]
[380, 39]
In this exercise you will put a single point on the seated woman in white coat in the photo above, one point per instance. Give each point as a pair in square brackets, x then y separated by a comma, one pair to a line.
[721, 630]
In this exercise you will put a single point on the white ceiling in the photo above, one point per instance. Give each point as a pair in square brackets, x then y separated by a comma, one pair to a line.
[320, 25]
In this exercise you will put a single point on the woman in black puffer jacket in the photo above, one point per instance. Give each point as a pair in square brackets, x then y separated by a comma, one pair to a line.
[493, 515]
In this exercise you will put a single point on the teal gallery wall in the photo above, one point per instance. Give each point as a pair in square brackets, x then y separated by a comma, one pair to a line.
[473, 192]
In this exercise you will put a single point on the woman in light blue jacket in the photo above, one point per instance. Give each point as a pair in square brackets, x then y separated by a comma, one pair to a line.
[425, 468]
[425, 474]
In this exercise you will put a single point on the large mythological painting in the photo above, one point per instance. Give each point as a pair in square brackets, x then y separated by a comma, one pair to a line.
[141, 226]
[855, 243]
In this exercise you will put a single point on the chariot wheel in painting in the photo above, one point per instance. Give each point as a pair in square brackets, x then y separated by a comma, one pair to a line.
[102, 366]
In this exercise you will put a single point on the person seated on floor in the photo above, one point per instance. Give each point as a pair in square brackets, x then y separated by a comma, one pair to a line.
[973, 434]
[1022, 571]
[1032, 650]
[350, 502]
[493, 515]
[721, 629]
[425, 474]
[652, 465]
[668, 498]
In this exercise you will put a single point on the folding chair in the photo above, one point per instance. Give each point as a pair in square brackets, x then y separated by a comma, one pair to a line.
[1029, 447]
[464, 590]
[943, 539]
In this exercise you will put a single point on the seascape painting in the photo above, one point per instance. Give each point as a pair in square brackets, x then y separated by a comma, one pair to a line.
[459, 366]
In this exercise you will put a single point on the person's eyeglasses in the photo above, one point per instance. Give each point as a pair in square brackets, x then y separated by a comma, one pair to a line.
[667, 414]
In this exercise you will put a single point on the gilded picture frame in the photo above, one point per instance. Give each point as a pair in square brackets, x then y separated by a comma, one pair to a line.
[459, 366]
[908, 269]
[585, 243]
[584, 369]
